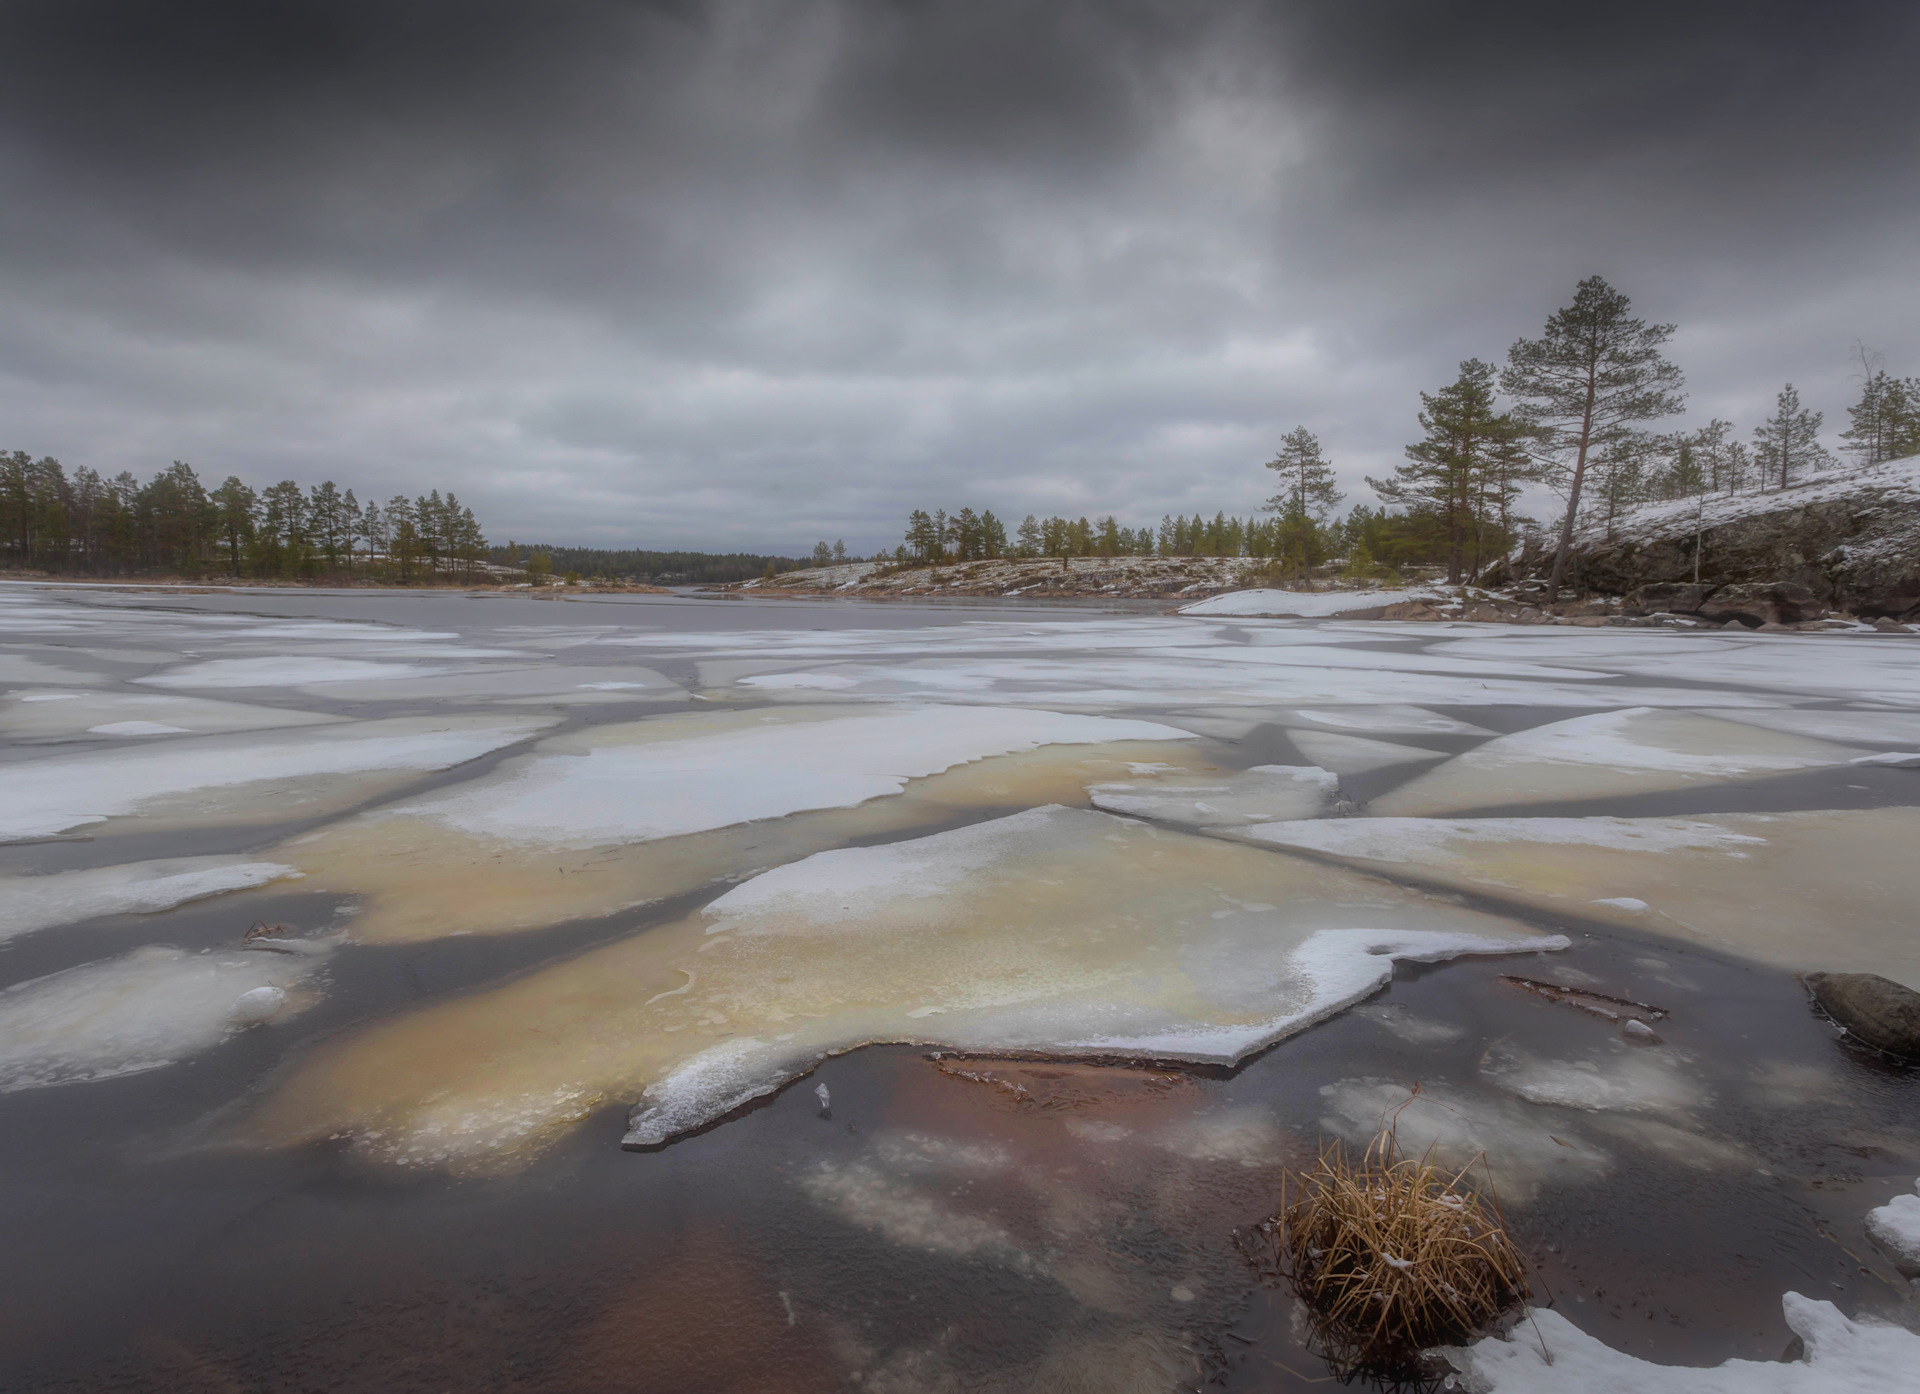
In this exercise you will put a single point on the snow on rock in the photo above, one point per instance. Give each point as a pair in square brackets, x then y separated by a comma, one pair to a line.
[232, 778]
[1895, 1227]
[1353, 755]
[140, 1011]
[1839, 885]
[1548, 1354]
[29, 903]
[1262, 794]
[1304, 604]
[1060, 931]
[1606, 755]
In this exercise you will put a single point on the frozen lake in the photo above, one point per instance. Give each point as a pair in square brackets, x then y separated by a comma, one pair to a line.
[1088, 922]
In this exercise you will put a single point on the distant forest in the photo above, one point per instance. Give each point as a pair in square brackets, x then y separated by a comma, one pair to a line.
[654, 568]
[1579, 400]
[82, 523]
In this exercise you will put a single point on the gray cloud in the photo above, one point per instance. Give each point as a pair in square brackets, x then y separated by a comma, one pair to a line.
[755, 273]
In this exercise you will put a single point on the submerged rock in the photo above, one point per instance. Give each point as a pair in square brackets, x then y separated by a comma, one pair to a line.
[1873, 1009]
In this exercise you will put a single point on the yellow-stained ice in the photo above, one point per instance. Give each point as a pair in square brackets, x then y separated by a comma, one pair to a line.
[1057, 930]
[585, 825]
[1605, 755]
[1823, 890]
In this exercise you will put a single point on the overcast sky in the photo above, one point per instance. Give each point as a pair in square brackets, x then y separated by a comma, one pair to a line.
[749, 275]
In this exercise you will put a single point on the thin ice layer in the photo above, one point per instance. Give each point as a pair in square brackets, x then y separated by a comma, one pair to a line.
[29, 903]
[687, 774]
[1057, 930]
[1262, 794]
[1548, 1354]
[1351, 755]
[615, 816]
[73, 714]
[1302, 604]
[1606, 755]
[227, 779]
[140, 1011]
[1838, 887]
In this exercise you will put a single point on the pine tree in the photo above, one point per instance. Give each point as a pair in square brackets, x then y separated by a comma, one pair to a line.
[1463, 468]
[1306, 478]
[233, 508]
[1028, 539]
[1790, 439]
[1594, 373]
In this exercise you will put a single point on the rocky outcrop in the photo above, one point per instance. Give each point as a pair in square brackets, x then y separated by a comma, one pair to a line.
[1882, 1013]
[1845, 539]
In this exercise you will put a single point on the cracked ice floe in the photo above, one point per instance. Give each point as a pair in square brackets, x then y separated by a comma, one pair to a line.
[664, 778]
[283, 670]
[513, 685]
[1839, 886]
[1262, 794]
[67, 714]
[1061, 931]
[1606, 755]
[1548, 1354]
[29, 903]
[1351, 755]
[1386, 719]
[1895, 1227]
[226, 779]
[1302, 604]
[140, 1011]
[1869, 727]
[617, 815]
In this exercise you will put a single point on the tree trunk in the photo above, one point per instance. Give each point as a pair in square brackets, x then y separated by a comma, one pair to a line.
[1573, 493]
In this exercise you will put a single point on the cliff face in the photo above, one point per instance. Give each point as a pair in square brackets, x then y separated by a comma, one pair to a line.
[1850, 536]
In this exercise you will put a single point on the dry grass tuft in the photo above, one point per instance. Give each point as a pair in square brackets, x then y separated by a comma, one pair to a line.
[1392, 1257]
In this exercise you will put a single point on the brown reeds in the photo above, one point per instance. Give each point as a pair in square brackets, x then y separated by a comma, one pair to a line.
[1391, 1256]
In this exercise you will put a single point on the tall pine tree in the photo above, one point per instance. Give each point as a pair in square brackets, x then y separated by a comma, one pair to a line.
[1790, 439]
[1450, 474]
[1593, 374]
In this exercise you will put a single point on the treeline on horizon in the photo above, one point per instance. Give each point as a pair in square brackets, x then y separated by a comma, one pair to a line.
[634, 564]
[1579, 401]
[83, 523]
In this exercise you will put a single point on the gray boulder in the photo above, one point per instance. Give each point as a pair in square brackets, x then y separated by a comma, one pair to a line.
[1876, 1010]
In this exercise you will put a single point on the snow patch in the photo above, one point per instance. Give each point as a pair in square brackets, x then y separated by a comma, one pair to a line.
[134, 888]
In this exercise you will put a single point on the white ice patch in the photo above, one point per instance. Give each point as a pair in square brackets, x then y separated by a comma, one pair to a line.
[1390, 719]
[1353, 755]
[136, 728]
[1527, 1147]
[282, 671]
[1870, 727]
[73, 715]
[910, 1216]
[1302, 604]
[1548, 1354]
[1895, 1227]
[29, 903]
[1411, 1027]
[55, 793]
[1626, 1079]
[1896, 759]
[1432, 840]
[633, 783]
[1607, 754]
[145, 1009]
[1262, 794]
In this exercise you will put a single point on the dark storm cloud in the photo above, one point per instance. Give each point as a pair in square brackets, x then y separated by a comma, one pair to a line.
[760, 272]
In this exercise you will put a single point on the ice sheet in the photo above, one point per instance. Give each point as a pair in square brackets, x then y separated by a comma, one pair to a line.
[1389, 719]
[222, 779]
[1262, 794]
[1304, 604]
[1352, 755]
[148, 1008]
[1058, 930]
[1620, 1077]
[29, 903]
[711, 770]
[1870, 727]
[1548, 1354]
[285, 670]
[416, 875]
[1606, 755]
[1838, 887]
[54, 714]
